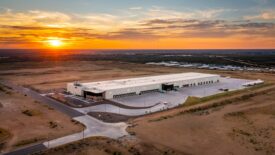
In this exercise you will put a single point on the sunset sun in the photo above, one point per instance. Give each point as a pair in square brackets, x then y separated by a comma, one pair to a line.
[55, 42]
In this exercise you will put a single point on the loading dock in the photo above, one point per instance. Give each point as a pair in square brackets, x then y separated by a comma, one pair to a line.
[134, 86]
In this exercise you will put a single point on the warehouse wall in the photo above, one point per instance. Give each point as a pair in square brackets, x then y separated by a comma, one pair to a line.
[76, 90]
[111, 93]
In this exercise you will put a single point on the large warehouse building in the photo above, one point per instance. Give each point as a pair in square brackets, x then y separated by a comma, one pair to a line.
[134, 86]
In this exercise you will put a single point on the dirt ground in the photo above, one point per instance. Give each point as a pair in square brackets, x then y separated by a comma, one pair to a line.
[95, 145]
[106, 146]
[28, 121]
[47, 76]
[244, 127]
[110, 117]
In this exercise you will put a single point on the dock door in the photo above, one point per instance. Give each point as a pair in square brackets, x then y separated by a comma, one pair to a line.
[167, 87]
[94, 96]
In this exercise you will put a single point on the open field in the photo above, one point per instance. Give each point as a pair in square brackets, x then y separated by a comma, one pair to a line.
[244, 127]
[47, 76]
[241, 127]
[25, 121]
[106, 146]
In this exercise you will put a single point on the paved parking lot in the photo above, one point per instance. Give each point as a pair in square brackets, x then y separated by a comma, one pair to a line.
[177, 97]
[212, 89]
[152, 99]
[76, 101]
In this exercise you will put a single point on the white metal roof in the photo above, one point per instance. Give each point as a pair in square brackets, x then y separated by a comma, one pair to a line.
[102, 86]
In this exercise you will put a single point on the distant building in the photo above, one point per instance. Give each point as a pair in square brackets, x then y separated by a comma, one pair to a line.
[252, 83]
[134, 86]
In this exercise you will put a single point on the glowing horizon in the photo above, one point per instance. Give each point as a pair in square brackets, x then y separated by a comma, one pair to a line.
[141, 25]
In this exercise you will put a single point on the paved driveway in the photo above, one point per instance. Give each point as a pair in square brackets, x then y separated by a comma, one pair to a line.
[94, 127]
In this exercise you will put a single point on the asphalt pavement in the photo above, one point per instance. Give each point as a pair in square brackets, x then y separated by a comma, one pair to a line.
[28, 150]
[44, 100]
[94, 127]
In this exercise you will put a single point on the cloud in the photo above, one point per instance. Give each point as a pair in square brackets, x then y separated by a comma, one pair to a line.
[130, 33]
[209, 28]
[28, 27]
[266, 15]
[34, 17]
[136, 8]
[14, 40]
[159, 12]
[154, 23]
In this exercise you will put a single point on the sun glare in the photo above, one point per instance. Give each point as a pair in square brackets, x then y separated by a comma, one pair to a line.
[55, 42]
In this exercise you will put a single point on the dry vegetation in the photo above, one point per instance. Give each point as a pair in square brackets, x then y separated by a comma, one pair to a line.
[243, 125]
[47, 76]
[25, 121]
[95, 145]
[106, 146]
[240, 122]
[4, 136]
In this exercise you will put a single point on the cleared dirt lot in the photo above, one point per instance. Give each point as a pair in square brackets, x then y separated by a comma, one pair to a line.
[102, 146]
[244, 127]
[28, 121]
[47, 76]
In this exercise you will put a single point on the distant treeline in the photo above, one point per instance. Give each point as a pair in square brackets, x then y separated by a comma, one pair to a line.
[260, 58]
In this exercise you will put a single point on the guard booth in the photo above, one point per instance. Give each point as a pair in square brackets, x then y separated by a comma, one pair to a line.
[167, 87]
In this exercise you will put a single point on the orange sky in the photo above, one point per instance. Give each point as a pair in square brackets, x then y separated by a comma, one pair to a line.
[176, 43]
[159, 29]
